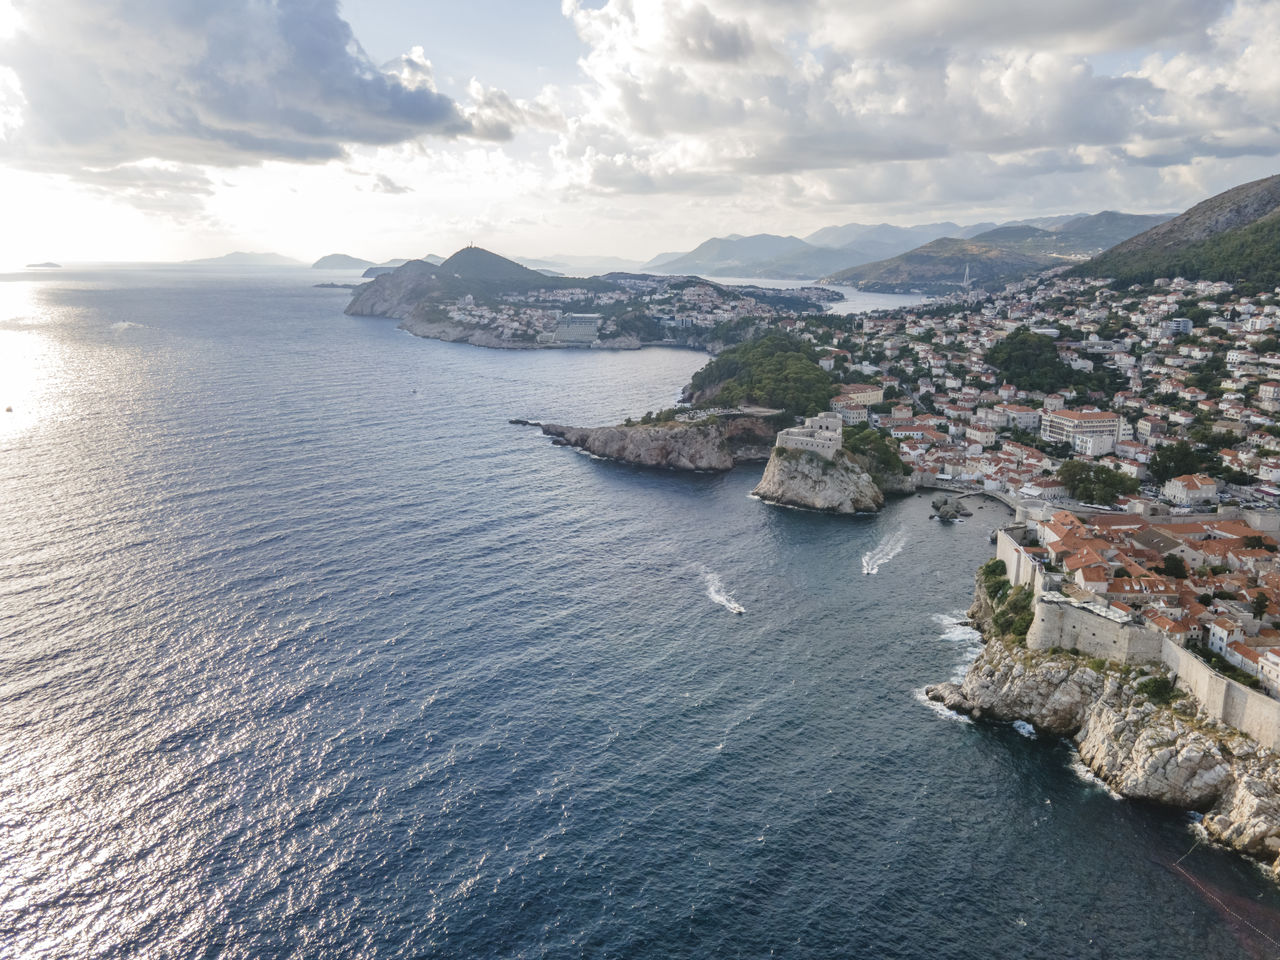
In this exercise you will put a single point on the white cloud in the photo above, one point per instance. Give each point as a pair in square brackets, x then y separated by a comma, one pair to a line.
[107, 82]
[691, 116]
[680, 94]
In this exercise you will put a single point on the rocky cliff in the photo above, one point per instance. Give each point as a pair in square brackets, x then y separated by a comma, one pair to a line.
[798, 479]
[677, 446]
[1127, 733]
[460, 333]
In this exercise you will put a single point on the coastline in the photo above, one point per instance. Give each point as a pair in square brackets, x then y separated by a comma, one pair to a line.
[1133, 727]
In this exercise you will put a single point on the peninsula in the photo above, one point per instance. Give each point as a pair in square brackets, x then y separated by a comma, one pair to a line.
[819, 463]
[481, 298]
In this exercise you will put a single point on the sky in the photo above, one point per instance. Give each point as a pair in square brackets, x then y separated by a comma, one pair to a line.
[172, 129]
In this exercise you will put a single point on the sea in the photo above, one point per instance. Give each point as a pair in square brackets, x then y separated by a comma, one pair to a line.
[855, 300]
[307, 652]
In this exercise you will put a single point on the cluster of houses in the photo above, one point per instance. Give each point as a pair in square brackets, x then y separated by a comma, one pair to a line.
[957, 419]
[1220, 592]
[674, 302]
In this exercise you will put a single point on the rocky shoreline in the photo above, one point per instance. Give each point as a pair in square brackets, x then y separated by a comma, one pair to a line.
[1139, 745]
[714, 446]
[480, 337]
[811, 482]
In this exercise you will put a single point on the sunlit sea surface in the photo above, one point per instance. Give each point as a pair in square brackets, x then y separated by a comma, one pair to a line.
[306, 652]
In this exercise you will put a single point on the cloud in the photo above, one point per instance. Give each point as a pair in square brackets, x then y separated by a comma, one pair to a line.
[110, 82]
[684, 93]
[384, 184]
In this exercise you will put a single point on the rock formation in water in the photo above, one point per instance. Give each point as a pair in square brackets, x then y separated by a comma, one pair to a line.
[801, 479]
[715, 445]
[1130, 735]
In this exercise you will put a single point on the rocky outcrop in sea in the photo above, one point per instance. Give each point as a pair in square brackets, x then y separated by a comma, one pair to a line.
[676, 446]
[1138, 744]
[795, 478]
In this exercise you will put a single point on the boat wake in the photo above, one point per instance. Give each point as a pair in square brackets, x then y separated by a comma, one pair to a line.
[715, 593]
[884, 551]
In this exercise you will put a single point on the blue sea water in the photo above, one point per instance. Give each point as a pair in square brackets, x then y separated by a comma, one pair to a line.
[306, 652]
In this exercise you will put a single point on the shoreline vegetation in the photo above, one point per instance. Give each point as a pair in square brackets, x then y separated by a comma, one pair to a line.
[778, 379]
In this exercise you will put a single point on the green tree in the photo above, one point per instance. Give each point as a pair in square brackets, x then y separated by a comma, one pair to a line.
[1175, 566]
[1259, 605]
[774, 371]
[1095, 482]
[1030, 361]
[1173, 460]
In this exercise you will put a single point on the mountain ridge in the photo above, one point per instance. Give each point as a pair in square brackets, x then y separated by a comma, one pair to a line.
[1233, 235]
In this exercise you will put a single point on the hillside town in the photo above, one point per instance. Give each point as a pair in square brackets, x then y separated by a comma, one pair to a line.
[1138, 430]
[656, 308]
[1192, 370]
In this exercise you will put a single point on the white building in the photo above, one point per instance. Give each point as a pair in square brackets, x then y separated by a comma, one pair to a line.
[850, 412]
[865, 394]
[1191, 488]
[578, 328]
[1067, 426]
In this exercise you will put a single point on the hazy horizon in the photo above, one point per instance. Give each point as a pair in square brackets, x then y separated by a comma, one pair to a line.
[163, 131]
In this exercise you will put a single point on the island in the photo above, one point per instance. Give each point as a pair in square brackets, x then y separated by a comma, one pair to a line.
[47, 265]
[341, 261]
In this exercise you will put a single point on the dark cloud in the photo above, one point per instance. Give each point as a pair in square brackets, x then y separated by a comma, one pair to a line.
[224, 82]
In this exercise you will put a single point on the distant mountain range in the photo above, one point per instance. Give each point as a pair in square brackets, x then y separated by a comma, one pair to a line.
[1232, 236]
[834, 251]
[997, 256]
[580, 265]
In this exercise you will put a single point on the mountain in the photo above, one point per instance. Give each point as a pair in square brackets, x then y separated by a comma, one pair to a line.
[340, 261]
[725, 256]
[1035, 243]
[241, 259]
[941, 264]
[471, 271]
[822, 253]
[1103, 230]
[479, 265]
[1232, 236]
[905, 238]
[998, 255]
[580, 265]
[658, 261]
[387, 266]
[769, 255]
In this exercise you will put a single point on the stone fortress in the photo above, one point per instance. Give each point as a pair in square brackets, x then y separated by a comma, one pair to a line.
[1095, 623]
[822, 435]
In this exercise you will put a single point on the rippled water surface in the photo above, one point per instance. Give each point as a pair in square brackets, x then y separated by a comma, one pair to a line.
[306, 652]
